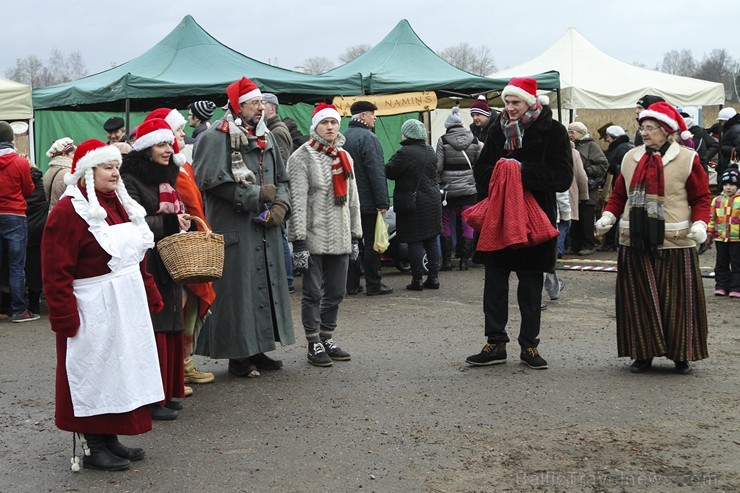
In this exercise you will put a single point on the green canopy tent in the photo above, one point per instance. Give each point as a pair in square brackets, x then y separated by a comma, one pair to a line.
[402, 62]
[186, 65]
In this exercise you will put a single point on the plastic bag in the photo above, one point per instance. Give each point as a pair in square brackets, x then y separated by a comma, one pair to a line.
[381, 234]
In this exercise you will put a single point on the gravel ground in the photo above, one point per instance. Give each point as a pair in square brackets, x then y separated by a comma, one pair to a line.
[408, 415]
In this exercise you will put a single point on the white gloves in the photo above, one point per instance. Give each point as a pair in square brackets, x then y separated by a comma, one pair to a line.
[605, 223]
[237, 136]
[355, 253]
[698, 232]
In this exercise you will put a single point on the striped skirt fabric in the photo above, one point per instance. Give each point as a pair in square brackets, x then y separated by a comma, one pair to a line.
[661, 310]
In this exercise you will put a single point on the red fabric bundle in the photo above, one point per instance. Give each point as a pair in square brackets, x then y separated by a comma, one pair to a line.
[509, 217]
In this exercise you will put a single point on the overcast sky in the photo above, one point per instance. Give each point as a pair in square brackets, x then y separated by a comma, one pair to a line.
[285, 33]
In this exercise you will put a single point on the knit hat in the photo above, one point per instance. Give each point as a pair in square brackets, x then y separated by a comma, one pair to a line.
[523, 88]
[240, 91]
[361, 106]
[6, 132]
[578, 127]
[649, 99]
[60, 146]
[113, 124]
[203, 110]
[730, 176]
[615, 131]
[270, 98]
[726, 113]
[176, 122]
[88, 156]
[153, 131]
[414, 129]
[668, 117]
[322, 112]
[481, 107]
[453, 118]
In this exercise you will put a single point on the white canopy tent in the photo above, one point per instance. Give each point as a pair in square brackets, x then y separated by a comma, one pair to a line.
[15, 101]
[591, 79]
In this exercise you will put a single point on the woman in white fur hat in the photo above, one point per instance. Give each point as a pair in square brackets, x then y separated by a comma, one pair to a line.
[99, 296]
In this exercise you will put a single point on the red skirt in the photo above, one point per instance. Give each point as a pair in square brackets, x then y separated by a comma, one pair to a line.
[171, 352]
[130, 423]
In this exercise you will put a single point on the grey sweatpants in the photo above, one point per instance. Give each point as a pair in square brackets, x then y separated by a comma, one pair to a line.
[323, 290]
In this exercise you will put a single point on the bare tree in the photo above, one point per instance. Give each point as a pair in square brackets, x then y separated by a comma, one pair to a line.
[477, 61]
[317, 64]
[31, 70]
[719, 66]
[353, 52]
[679, 63]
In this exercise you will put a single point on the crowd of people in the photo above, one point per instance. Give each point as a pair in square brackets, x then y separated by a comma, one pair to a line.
[288, 204]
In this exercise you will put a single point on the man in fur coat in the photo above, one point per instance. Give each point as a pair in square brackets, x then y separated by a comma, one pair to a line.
[239, 169]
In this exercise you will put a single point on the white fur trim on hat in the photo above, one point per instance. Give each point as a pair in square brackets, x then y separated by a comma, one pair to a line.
[152, 138]
[517, 91]
[249, 95]
[91, 160]
[175, 120]
[662, 117]
[323, 115]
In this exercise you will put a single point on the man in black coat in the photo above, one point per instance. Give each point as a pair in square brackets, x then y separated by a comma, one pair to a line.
[729, 138]
[704, 144]
[369, 168]
[527, 133]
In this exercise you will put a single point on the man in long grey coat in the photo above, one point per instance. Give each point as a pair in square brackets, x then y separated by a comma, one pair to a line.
[243, 178]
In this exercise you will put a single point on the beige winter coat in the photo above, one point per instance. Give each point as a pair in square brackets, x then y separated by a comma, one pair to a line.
[54, 185]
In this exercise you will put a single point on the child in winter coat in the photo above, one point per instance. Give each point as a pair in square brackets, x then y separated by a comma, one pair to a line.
[724, 229]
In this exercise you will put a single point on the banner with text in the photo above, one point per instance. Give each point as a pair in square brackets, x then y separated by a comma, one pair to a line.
[391, 104]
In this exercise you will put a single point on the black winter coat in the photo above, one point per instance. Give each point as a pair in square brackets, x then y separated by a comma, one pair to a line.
[729, 139]
[142, 178]
[547, 167]
[615, 153]
[36, 209]
[367, 155]
[405, 167]
[706, 146]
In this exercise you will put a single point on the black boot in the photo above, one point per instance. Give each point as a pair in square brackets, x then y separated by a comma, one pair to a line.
[100, 457]
[34, 301]
[119, 449]
[467, 249]
[446, 244]
[416, 284]
[432, 281]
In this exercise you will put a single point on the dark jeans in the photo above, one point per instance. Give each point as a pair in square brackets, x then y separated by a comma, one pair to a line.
[727, 267]
[369, 259]
[14, 232]
[582, 231]
[496, 305]
[323, 291]
[416, 256]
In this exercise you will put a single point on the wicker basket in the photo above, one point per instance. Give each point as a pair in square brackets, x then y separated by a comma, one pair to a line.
[193, 257]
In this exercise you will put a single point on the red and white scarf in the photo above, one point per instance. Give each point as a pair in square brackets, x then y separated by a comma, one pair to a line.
[169, 200]
[341, 169]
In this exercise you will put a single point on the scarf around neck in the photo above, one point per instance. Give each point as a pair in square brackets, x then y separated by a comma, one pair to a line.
[341, 169]
[514, 129]
[647, 199]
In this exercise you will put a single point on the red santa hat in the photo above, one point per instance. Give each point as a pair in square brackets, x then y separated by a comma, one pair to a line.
[322, 112]
[522, 87]
[87, 157]
[172, 117]
[153, 131]
[668, 117]
[481, 107]
[240, 91]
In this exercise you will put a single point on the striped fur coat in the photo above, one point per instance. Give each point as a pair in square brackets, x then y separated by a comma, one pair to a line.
[327, 228]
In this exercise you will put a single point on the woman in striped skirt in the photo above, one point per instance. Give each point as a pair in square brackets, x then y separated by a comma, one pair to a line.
[662, 198]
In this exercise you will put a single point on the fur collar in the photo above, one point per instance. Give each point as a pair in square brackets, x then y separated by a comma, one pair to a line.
[670, 154]
[618, 141]
[138, 165]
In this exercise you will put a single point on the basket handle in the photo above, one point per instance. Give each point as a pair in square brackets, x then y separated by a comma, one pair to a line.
[201, 222]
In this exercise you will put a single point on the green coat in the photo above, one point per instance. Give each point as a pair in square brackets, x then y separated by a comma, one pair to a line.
[252, 307]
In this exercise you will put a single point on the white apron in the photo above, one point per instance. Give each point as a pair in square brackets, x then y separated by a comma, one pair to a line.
[112, 363]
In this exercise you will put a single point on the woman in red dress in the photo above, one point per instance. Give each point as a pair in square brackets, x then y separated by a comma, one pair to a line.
[99, 296]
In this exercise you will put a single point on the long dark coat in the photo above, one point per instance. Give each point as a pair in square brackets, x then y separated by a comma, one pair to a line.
[142, 178]
[252, 306]
[547, 167]
[415, 157]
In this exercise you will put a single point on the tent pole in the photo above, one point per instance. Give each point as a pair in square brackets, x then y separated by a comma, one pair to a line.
[570, 118]
[31, 143]
[128, 115]
[560, 107]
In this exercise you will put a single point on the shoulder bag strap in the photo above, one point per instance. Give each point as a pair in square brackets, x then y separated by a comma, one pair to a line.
[51, 185]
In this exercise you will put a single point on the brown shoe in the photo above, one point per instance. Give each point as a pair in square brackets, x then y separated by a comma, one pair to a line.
[193, 375]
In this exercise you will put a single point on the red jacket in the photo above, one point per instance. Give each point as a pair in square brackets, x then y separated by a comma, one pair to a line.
[15, 184]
